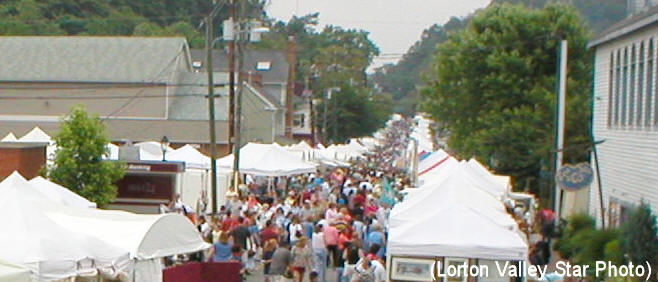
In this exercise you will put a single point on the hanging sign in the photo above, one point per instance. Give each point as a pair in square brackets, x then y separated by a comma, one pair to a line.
[574, 177]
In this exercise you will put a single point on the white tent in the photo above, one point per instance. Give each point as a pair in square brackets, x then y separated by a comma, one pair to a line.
[456, 231]
[458, 188]
[36, 135]
[48, 250]
[431, 166]
[190, 156]
[113, 152]
[502, 180]
[452, 216]
[13, 273]
[152, 151]
[143, 236]
[9, 138]
[58, 193]
[267, 160]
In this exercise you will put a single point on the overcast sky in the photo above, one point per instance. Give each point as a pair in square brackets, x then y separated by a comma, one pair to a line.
[394, 25]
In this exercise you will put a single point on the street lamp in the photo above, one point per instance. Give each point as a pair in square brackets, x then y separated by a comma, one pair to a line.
[164, 144]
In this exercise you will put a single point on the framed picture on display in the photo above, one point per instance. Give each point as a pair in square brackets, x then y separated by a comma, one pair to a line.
[411, 269]
[455, 262]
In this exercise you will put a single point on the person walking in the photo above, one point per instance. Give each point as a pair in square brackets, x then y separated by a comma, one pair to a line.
[301, 259]
[268, 252]
[280, 262]
[319, 253]
[221, 250]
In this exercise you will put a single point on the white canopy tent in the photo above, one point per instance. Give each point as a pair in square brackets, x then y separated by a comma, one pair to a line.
[152, 151]
[190, 156]
[458, 188]
[502, 180]
[13, 273]
[302, 150]
[431, 166]
[36, 135]
[113, 152]
[10, 137]
[267, 160]
[456, 231]
[453, 216]
[58, 193]
[51, 252]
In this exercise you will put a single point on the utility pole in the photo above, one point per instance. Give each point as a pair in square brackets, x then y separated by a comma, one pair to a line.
[559, 140]
[211, 113]
[310, 106]
[239, 34]
[231, 80]
[290, 90]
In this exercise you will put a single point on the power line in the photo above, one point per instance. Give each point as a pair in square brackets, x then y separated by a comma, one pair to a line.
[96, 97]
[100, 86]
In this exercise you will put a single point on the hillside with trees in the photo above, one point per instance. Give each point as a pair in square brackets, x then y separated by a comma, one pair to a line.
[404, 79]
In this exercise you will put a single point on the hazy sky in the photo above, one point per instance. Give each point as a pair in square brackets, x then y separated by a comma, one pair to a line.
[394, 25]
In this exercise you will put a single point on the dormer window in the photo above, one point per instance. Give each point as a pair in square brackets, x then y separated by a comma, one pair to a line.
[263, 66]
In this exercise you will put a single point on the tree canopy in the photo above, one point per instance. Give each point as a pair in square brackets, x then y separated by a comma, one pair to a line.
[493, 87]
[79, 164]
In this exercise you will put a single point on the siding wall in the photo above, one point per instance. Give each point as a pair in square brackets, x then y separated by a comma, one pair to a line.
[628, 158]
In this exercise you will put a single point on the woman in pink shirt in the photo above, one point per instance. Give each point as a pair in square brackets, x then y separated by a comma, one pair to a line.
[331, 239]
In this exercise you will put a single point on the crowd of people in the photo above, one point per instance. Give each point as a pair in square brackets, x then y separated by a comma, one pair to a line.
[306, 226]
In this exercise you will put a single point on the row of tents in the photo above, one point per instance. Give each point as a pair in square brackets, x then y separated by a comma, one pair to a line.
[458, 211]
[51, 233]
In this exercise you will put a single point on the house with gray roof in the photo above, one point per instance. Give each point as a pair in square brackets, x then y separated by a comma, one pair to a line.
[625, 114]
[142, 88]
[267, 73]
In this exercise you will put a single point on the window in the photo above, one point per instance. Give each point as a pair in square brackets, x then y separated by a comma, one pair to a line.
[649, 94]
[631, 93]
[624, 88]
[298, 120]
[617, 87]
[611, 76]
[263, 66]
[640, 85]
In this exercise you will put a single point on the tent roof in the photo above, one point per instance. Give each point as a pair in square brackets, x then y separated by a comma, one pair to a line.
[50, 251]
[458, 188]
[9, 138]
[58, 193]
[14, 273]
[144, 236]
[113, 151]
[302, 146]
[191, 156]
[457, 231]
[36, 135]
[267, 160]
[453, 216]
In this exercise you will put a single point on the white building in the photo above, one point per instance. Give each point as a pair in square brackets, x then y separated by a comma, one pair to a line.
[625, 116]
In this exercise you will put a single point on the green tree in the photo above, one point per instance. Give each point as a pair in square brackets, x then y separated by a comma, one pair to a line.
[493, 87]
[79, 163]
[638, 236]
[352, 112]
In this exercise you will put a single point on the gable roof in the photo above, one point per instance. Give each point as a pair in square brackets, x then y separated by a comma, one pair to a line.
[278, 72]
[91, 58]
[626, 26]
